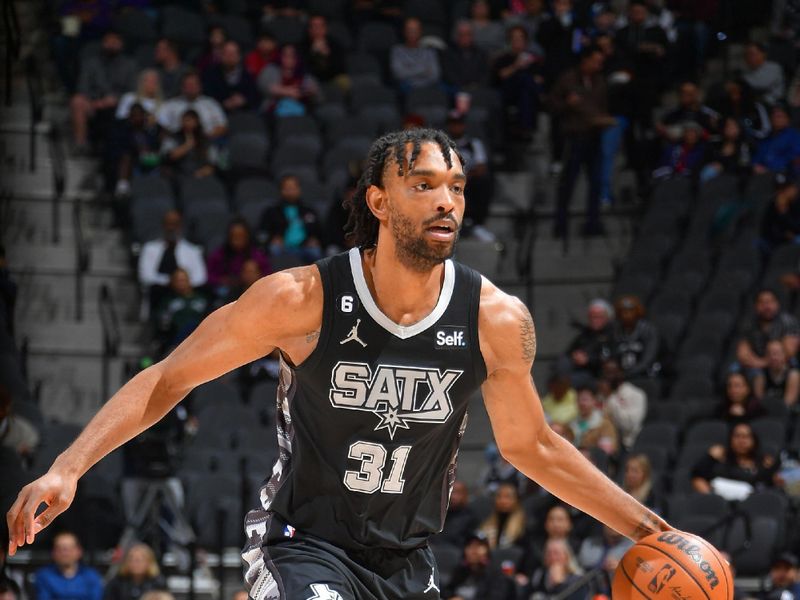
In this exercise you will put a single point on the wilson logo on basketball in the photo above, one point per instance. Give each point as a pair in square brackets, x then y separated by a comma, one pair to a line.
[692, 551]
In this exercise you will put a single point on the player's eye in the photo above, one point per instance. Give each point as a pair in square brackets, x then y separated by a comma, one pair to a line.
[458, 189]
[422, 187]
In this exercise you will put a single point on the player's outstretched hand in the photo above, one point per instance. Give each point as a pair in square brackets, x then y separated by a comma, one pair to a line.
[53, 489]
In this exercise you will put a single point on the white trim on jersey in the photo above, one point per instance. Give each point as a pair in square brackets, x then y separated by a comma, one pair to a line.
[401, 331]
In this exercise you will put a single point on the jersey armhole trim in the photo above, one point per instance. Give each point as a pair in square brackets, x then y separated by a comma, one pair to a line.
[313, 359]
[474, 310]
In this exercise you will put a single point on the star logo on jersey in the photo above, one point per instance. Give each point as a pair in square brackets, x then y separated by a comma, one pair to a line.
[323, 592]
[397, 395]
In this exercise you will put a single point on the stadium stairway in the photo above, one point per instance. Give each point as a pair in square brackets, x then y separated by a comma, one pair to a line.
[46, 230]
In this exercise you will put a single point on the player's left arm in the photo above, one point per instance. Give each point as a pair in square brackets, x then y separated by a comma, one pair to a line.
[508, 345]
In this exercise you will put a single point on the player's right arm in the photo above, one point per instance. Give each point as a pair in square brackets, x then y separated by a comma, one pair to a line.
[283, 310]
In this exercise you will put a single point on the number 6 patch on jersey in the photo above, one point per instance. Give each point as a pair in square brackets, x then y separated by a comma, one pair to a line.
[347, 303]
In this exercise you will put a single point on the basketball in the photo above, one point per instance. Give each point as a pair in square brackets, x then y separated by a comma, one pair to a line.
[673, 565]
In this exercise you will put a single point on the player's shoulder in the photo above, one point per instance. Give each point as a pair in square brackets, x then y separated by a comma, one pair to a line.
[290, 287]
[505, 328]
[499, 309]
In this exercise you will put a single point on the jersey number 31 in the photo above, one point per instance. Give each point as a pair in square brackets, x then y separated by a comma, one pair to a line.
[369, 478]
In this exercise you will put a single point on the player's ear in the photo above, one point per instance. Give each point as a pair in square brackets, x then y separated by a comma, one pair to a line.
[376, 201]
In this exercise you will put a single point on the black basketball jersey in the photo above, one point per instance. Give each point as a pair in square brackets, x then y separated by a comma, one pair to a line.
[369, 424]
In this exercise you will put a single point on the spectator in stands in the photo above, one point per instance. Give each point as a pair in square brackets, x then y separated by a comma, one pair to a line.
[476, 576]
[559, 37]
[465, 66]
[461, 520]
[500, 471]
[489, 34]
[768, 323]
[684, 157]
[148, 94]
[780, 379]
[736, 99]
[517, 72]
[412, 65]
[592, 428]
[780, 151]
[558, 525]
[646, 46]
[81, 22]
[592, 345]
[189, 152]
[764, 76]
[212, 54]
[531, 17]
[104, 78]
[558, 572]
[481, 183]
[638, 481]
[16, 432]
[560, 404]
[159, 258]
[690, 110]
[730, 154]
[224, 265]
[741, 462]
[212, 116]
[179, 312]
[505, 525]
[580, 99]
[626, 404]
[67, 578]
[229, 83]
[783, 579]
[292, 227]
[781, 221]
[323, 54]
[739, 403]
[635, 340]
[171, 68]
[288, 90]
[266, 52]
[603, 551]
[135, 148]
[138, 574]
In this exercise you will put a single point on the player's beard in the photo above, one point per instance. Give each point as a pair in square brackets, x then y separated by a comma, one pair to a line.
[413, 250]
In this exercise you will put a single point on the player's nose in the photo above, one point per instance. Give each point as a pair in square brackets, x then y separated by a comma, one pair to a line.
[445, 202]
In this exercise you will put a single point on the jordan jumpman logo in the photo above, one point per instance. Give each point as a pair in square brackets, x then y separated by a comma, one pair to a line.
[431, 585]
[353, 335]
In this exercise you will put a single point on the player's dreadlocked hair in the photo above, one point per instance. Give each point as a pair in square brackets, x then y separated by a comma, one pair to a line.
[362, 226]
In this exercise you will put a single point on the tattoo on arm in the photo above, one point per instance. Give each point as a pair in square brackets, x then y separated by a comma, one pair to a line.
[311, 336]
[649, 524]
[528, 334]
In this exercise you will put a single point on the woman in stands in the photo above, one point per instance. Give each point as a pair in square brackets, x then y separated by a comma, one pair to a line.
[638, 480]
[735, 470]
[559, 571]
[739, 403]
[189, 153]
[505, 526]
[558, 525]
[148, 94]
[225, 263]
[138, 574]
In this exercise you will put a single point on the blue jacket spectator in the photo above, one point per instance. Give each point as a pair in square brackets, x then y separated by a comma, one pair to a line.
[780, 152]
[67, 578]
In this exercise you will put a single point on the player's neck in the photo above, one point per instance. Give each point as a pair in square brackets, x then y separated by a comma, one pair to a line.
[402, 294]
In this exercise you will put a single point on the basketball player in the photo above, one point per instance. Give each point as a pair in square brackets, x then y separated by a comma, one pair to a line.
[381, 348]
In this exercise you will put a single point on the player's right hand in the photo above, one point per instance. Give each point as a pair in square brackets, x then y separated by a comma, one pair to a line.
[53, 489]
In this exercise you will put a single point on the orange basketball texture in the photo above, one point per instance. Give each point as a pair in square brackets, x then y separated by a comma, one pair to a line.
[672, 565]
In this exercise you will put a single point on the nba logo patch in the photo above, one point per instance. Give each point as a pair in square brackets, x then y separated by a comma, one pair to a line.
[288, 531]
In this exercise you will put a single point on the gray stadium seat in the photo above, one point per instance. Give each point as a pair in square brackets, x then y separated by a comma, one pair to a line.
[702, 525]
[350, 126]
[769, 429]
[182, 25]
[219, 521]
[288, 157]
[214, 393]
[287, 30]
[376, 38]
[246, 121]
[197, 190]
[364, 68]
[207, 223]
[709, 432]
[663, 434]
[681, 505]
[247, 153]
[253, 211]
[371, 94]
[755, 558]
[254, 189]
[330, 112]
[136, 27]
[691, 453]
[286, 127]
[238, 29]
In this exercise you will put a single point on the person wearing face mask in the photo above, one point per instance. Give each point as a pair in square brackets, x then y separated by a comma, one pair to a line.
[160, 257]
[103, 80]
[626, 404]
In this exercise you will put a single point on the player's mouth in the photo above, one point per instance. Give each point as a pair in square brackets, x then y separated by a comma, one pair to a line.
[443, 230]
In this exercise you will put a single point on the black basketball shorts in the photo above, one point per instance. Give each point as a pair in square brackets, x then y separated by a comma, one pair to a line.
[303, 567]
